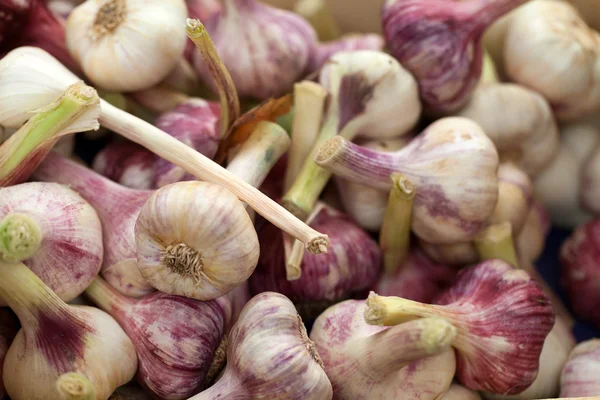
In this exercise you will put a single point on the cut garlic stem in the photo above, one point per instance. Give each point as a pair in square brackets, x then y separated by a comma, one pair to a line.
[394, 238]
[294, 257]
[20, 237]
[390, 310]
[75, 386]
[230, 103]
[496, 241]
[309, 100]
[317, 13]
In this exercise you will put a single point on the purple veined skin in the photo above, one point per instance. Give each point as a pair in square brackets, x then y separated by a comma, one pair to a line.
[126, 163]
[581, 374]
[439, 41]
[264, 48]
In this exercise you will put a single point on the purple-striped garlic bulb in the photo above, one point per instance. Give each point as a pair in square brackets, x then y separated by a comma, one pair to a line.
[499, 345]
[452, 164]
[269, 355]
[352, 265]
[118, 208]
[180, 256]
[176, 338]
[409, 361]
[581, 374]
[440, 43]
[9, 326]
[126, 163]
[264, 48]
[54, 232]
[350, 42]
[56, 338]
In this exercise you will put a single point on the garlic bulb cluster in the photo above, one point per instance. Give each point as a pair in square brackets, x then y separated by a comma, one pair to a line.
[440, 43]
[409, 361]
[142, 39]
[581, 375]
[56, 338]
[175, 338]
[453, 165]
[537, 32]
[9, 326]
[126, 163]
[54, 232]
[201, 261]
[497, 346]
[269, 355]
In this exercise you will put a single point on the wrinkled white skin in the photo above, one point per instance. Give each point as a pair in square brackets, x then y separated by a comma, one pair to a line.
[364, 204]
[367, 362]
[136, 55]
[581, 375]
[558, 186]
[521, 125]
[538, 32]
[458, 392]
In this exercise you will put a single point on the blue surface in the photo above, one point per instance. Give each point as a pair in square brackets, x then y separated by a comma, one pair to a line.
[549, 267]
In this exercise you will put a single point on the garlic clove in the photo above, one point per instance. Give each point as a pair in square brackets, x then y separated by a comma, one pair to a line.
[54, 232]
[126, 163]
[580, 376]
[351, 42]
[458, 392]
[202, 261]
[9, 326]
[142, 40]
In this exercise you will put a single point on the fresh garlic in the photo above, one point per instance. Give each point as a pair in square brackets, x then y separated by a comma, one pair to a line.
[75, 386]
[521, 126]
[56, 338]
[351, 42]
[365, 90]
[457, 392]
[537, 32]
[269, 355]
[409, 361]
[532, 239]
[175, 338]
[31, 78]
[142, 39]
[440, 43]
[580, 273]
[265, 49]
[581, 375]
[54, 232]
[351, 266]
[452, 164]
[126, 163]
[418, 278]
[364, 204]
[577, 143]
[9, 326]
[498, 346]
[201, 261]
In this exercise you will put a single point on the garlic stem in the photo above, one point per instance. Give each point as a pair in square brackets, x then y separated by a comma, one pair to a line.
[106, 297]
[309, 100]
[391, 310]
[20, 154]
[171, 149]
[317, 13]
[394, 238]
[75, 386]
[20, 237]
[294, 259]
[230, 103]
[159, 99]
[496, 241]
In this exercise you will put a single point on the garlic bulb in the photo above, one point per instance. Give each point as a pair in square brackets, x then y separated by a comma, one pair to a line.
[142, 39]
[9, 326]
[409, 361]
[453, 165]
[56, 338]
[522, 125]
[440, 43]
[265, 49]
[537, 32]
[203, 9]
[577, 143]
[201, 261]
[350, 42]
[580, 377]
[175, 349]
[532, 239]
[269, 355]
[498, 347]
[126, 163]
[352, 265]
[54, 232]
[457, 392]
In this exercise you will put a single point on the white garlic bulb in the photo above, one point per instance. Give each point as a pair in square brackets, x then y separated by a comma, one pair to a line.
[127, 45]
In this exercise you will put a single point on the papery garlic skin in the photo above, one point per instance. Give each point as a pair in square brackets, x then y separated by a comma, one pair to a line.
[142, 39]
[581, 375]
[205, 260]
[538, 31]
[69, 253]
[126, 163]
[276, 47]
[405, 362]
[522, 125]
